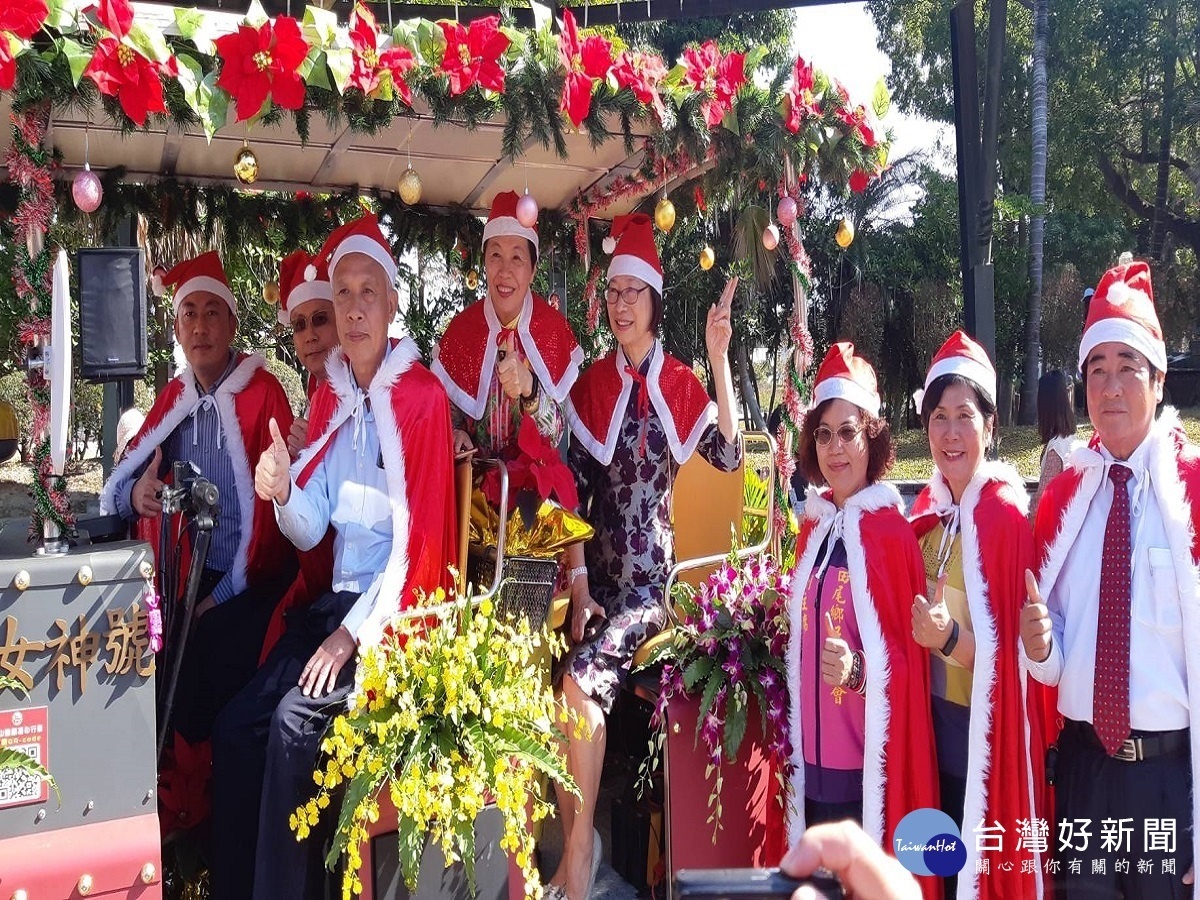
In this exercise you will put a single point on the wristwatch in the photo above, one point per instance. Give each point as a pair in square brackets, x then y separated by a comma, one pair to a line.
[529, 401]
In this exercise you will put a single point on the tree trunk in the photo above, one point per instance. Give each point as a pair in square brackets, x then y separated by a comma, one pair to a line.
[1037, 230]
[1158, 230]
[749, 395]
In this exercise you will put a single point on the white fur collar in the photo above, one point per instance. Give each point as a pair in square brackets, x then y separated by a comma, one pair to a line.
[987, 471]
[872, 498]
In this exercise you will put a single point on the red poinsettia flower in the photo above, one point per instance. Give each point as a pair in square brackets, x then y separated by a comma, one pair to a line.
[374, 68]
[122, 72]
[641, 73]
[115, 15]
[473, 54]
[586, 63]
[856, 119]
[859, 180]
[183, 785]
[716, 76]
[19, 19]
[802, 102]
[260, 64]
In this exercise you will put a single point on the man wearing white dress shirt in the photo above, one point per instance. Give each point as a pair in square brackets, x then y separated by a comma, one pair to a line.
[1113, 617]
[378, 469]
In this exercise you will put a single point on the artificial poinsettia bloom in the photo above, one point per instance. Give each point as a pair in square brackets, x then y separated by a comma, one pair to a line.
[586, 62]
[473, 54]
[116, 16]
[8, 64]
[857, 120]
[22, 18]
[859, 180]
[122, 72]
[716, 76]
[641, 73]
[260, 64]
[374, 68]
[802, 103]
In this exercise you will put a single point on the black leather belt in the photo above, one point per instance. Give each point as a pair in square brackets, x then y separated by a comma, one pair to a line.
[1140, 745]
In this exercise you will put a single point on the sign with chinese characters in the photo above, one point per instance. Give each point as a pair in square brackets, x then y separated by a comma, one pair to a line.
[72, 648]
[25, 731]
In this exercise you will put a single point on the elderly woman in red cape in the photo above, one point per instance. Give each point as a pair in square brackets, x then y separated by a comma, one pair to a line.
[510, 354]
[862, 736]
[971, 521]
[637, 415]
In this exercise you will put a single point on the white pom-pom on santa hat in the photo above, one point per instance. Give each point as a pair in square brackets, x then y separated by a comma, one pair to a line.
[310, 272]
[609, 244]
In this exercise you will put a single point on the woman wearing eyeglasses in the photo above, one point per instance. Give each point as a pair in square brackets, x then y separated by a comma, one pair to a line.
[510, 354]
[636, 416]
[306, 306]
[977, 544]
[861, 730]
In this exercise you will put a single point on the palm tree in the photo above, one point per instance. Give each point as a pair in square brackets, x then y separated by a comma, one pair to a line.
[1037, 230]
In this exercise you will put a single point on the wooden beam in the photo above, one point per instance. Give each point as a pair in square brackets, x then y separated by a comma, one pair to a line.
[172, 144]
[333, 154]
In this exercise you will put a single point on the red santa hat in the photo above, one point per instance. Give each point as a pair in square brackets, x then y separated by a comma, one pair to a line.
[502, 220]
[965, 356]
[844, 376]
[301, 278]
[364, 236]
[633, 250]
[1122, 309]
[204, 273]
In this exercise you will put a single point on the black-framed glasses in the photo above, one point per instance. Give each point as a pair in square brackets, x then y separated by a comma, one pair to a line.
[319, 319]
[845, 434]
[629, 296]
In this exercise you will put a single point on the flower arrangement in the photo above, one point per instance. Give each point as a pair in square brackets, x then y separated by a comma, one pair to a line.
[728, 647]
[452, 712]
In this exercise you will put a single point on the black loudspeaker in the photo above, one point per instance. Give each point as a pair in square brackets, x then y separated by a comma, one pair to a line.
[112, 313]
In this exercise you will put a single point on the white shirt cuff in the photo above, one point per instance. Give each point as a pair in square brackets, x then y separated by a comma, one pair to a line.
[1049, 670]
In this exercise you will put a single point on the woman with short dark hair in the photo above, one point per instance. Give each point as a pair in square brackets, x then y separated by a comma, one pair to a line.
[1056, 427]
[976, 545]
[860, 716]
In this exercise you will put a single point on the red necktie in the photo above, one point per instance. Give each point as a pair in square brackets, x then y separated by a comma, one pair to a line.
[643, 407]
[1110, 695]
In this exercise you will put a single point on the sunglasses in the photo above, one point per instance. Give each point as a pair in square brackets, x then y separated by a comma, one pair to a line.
[318, 320]
[846, 434]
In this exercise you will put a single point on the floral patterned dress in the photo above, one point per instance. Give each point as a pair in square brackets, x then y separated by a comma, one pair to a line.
[628, 502]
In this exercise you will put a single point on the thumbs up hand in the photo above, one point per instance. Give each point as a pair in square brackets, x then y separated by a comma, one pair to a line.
[1036, 628]
[146, 496]
[931, 622]
[837, 659]
[514, 376]
[272, 480]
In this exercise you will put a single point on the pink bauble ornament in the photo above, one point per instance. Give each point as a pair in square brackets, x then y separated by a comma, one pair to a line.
[86, 190]
[527, 211]
[786, 211]
[771, 237]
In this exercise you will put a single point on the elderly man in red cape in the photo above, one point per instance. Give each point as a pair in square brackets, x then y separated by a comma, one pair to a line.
[214, 414]
[378, 469]
[509, 354]
[1112, 619]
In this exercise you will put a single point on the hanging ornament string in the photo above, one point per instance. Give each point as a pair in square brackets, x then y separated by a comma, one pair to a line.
[29, 166]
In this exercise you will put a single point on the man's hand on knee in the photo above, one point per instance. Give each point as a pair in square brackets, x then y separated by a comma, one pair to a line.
[321, 671]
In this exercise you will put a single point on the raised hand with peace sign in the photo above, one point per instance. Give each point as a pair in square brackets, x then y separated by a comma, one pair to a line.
[719, 328]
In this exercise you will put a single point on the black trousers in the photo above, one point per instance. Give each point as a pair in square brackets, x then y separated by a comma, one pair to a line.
[222, 653]
[265, 746]
[1092, 785]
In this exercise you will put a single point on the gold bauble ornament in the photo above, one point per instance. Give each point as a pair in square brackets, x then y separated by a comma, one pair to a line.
[707, 258]
[845, 233]
[271, 292]
[472, 280]
[245, 165]
[664, 215]
[409, 186]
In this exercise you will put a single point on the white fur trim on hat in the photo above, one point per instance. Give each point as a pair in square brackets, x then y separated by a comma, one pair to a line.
[502, 226]
[635, 267]
[1123, 331]
[845, 389]
[301, 294]
[983, 376]
[360, 243]
[203, 283]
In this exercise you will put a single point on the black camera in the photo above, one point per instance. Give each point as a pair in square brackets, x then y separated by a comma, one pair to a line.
[190, 493]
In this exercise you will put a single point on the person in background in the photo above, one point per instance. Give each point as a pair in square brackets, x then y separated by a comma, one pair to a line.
[306, 307]
[860, 720]
[637, 415]
[127, 426]
[510, 354]
[1112, 619]
[1056, 428]
[976, 542]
